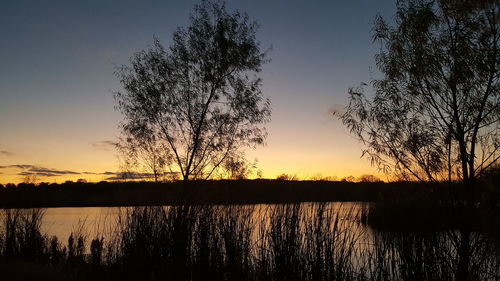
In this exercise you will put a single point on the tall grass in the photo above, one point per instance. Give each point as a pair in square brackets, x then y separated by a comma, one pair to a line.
[21, 234]
[313, 241]
[430, 256]
[185, 242]
[309, 242]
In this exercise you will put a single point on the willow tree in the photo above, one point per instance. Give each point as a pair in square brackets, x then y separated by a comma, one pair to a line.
[200, 98]
[435, 112]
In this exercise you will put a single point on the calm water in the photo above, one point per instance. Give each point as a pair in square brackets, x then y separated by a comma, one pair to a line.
[371, 250]
[92, 221]
[101, 221]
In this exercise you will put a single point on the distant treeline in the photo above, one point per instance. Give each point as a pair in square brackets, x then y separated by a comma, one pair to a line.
[225, 192]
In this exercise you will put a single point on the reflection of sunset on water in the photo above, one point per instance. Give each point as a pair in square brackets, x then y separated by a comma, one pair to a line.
[250, 140]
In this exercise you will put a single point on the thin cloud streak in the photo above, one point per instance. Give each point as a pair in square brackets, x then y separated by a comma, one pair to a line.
[54, 171]
[105, 145]
[33, 170]
[42, 174]
[6, 153]
[37, 169]
[29, 170]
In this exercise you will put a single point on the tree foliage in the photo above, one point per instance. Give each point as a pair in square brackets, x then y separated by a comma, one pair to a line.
[237, 167]
[145, 154]
[200, 99]
[435, 113]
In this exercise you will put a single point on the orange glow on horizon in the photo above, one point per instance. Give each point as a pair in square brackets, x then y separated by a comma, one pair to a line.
[270, 173]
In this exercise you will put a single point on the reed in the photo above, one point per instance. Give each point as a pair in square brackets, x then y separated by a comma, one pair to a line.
[309, 241]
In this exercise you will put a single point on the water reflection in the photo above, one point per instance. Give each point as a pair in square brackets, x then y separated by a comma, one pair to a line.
[61, 222]
[312, 240]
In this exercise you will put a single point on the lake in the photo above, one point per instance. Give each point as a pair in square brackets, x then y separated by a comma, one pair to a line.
[290, 239]
[101, 221]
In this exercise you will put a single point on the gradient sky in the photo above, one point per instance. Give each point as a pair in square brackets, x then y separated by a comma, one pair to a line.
[57, 112]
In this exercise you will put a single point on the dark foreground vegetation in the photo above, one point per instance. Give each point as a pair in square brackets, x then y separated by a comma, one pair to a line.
[314, 241]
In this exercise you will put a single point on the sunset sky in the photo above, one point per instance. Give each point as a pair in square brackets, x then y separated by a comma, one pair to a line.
[57, 116]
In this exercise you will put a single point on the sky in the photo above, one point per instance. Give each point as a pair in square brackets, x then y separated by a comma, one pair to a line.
[57, 115]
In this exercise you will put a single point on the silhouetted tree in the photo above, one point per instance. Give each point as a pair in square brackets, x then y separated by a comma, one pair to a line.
[435, 113]
[146, 154]
[30, 179]
[369, 178]
[348, 179]
[200, 98]
[236, 167]
[287, 177]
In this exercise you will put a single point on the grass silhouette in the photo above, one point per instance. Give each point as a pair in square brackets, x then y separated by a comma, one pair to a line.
[309, 241]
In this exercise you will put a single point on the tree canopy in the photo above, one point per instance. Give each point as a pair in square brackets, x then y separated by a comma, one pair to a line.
[200, 99]
[435, 113]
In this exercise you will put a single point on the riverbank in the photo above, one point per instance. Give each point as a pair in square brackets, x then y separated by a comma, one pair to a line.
[215, 192]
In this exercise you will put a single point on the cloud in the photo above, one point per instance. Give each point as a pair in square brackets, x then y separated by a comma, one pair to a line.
[29, 170]
[49, 172]
[94, 173]
[104, 145]
[44, 170]
[6, 153]
[20, 166]
[122, 175]
[37, 174]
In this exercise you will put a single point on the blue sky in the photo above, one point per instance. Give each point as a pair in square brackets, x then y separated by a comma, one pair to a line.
[56, 78]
